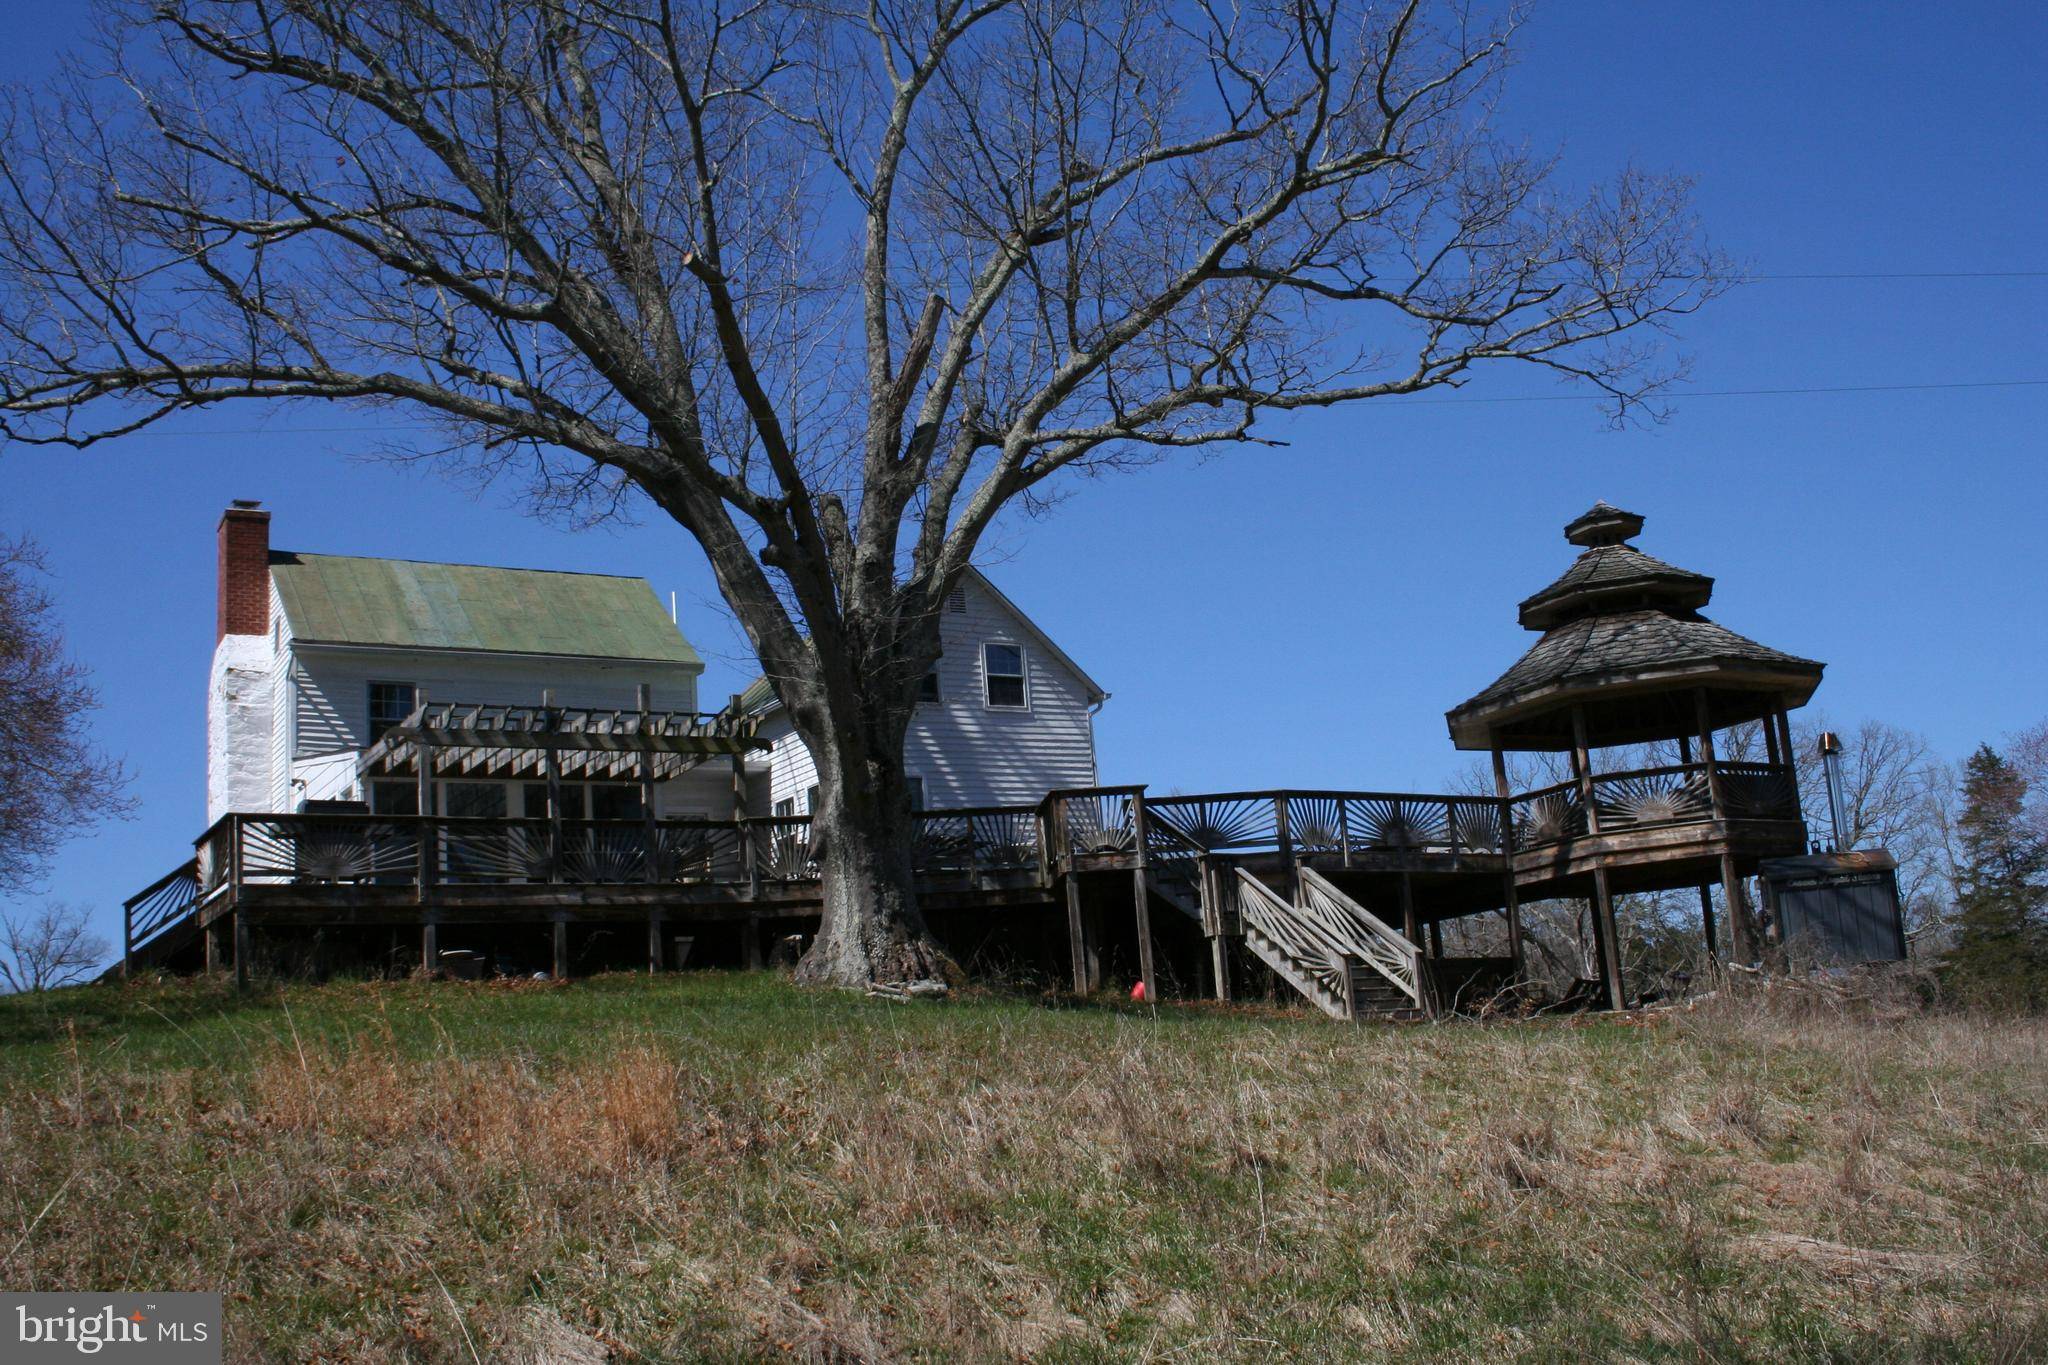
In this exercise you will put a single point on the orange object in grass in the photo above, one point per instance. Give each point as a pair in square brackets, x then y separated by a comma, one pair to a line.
[1138, 991]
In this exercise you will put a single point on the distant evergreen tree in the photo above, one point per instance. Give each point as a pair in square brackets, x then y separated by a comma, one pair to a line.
[2000, 953]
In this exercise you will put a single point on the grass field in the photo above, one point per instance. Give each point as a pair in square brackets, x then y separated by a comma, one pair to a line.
[719, 1166]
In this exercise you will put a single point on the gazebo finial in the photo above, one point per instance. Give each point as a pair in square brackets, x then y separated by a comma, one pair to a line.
[1603, 524]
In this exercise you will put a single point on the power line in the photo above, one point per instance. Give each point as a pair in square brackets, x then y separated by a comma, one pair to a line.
[1908, 275]
[1407, 401]
[1750, 393]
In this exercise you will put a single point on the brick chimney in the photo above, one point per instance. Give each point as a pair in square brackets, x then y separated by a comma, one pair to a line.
[244, 577]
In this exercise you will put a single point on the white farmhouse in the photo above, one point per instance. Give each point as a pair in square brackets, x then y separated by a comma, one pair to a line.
[317, 655]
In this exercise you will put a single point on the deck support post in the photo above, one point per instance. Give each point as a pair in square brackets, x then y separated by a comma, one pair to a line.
[1784, 724]
[430, 946]
[1604, 940]
[1707, 924]
[750, 942]
[654, 942]
[210, 939]
[243, 964]
[1511, 899]
[1142, 901]
[560, 970]
[1742, 944]
[1213, 924]
[1082, 951]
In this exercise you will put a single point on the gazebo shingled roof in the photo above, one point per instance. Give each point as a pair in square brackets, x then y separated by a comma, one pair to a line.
[1623, 638]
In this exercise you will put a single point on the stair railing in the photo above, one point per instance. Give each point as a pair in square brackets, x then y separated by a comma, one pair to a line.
[1363, 934]
[1303, 941]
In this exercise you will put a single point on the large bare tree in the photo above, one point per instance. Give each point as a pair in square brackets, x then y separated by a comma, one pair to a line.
[832, 286]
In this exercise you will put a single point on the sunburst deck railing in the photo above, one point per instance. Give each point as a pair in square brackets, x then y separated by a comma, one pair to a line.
[1066, 829]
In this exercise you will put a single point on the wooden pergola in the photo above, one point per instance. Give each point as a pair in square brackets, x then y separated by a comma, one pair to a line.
[477, 741]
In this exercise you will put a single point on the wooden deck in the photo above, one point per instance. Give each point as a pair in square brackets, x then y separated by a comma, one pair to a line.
[1383, 861]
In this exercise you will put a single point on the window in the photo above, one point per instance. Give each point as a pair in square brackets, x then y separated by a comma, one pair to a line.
[485, 799]
[810, 800]
[928, 686]
[916, 785]
[1002, 668]
[611, 802]
[534, 801]
[785, 808]
[394, 798]
[390, 704]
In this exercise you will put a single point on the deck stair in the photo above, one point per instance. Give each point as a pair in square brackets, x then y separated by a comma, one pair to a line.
[1343, 958]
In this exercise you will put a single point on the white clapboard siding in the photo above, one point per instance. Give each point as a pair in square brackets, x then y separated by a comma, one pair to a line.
[967, 753]
[331, 688]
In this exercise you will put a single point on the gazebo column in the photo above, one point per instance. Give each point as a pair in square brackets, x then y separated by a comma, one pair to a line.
[1510, 899]
[1706, 888]
[1605, 942]
[1741, 930]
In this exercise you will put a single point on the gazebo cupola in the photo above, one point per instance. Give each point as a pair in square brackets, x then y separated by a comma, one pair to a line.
[1626, 658]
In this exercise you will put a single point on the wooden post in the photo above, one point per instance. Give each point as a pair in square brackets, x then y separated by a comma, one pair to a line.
[128, 943]
[1290, 874]
[1604, 941]
[1771, 755]
[561, 966]
[1742, 944]
[430, 833]
[552, 756]
[1077, 939]
[654, 942]
[750, 934]
[1141, 895]
[430, 946]
[653, 834]
[1582, 765]
[1436, 940]
[211, 935]
[1707, 922]
[1784, 724]
[1219, 942]
[1411, 929]
[1510, 895]
[1706, 728]
[243, 965]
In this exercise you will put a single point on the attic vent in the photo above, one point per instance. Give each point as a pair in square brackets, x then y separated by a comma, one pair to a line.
[956, 601]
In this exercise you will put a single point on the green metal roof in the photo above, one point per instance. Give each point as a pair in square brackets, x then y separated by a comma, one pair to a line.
[342, 599]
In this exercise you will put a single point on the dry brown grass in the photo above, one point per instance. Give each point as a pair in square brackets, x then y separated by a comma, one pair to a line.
[717, 1167]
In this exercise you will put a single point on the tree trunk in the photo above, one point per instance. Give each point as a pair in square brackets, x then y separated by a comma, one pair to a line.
[862, 832]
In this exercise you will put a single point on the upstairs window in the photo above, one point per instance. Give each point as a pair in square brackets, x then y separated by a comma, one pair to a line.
[1002, 669]
[916, 785]
[928, 687]
[390, 704]
[785, 808]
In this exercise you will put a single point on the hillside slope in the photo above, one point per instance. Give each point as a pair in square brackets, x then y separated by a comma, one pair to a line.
[715, 1165]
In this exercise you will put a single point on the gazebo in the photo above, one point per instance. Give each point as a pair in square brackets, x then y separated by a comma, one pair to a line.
[1626, 658]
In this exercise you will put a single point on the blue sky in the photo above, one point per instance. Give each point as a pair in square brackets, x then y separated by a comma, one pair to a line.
[1303, 616]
